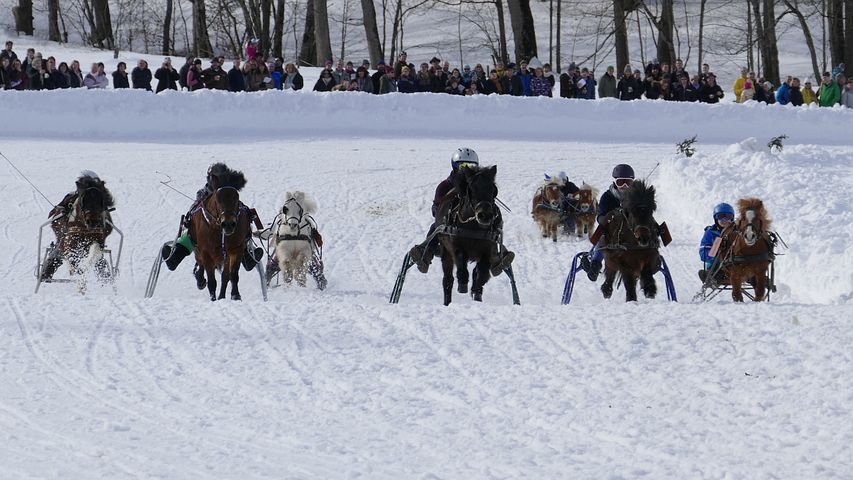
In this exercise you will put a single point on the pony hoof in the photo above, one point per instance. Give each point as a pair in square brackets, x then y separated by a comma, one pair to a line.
[478, 297]
[606, 290]
[650, 292]
[236, 297]
[213, 298]
[463, 288]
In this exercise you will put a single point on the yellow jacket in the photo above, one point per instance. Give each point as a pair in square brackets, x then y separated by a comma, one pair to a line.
[809, 96]
[738, 87]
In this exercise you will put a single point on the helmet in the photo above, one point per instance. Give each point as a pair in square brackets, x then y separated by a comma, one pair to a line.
[623, 171]
[463, 155]
[722, 208]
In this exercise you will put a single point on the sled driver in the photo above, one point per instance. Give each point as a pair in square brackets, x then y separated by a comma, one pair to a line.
[422, 254]
[611, 199]
[724, 215]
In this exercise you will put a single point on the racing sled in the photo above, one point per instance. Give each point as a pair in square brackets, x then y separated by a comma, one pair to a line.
[569, 286]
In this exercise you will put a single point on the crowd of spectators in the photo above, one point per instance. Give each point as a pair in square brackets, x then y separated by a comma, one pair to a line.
[656, 81]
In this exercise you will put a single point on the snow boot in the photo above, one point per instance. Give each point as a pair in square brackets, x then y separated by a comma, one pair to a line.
[251, 256]
[421, 257]
[591, 267]
[500, 262]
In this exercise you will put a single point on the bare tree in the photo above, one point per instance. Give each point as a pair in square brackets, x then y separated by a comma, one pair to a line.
[523, 30]
[794, 7]
[321, 31]
[23, 14]
[201, 39]
[835, 18]
[102, 34]
[701, 33]
[621, 10]
[664, 24]
[167, 25]
[308, 52]
[848, 33]
[374, 48]
[278, 31]
[53, 21]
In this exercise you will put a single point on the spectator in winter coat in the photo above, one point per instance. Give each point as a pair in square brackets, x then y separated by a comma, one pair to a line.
[377, 76]
[62, 77]
[684, 91]
[36, 75]
[627, 86]
[167, 77]
[193, 80]
[710, 91]
[75, 75]
[847, 96]
[841, 80]
[794, 93]
[4, 73]
[666, 92]
[782, 97]
[607, 84]
[254, 76]
[96, 78]
[440, 78]
[293, 79]
[185, 68]
[387, 84]
[405, 83]
[809, 95]
[493, 84]
[517, 84]
[325, 82]
[253, 48]
[747, 93]
[7, 53]
[549, 75]
[363, 81]
[400, 63]
[678, 72]
[141, 76]
[739, 84]
[18, 80]
[586, 85]
[423, 79]
[638, 81]
[764, 93]
[706, 69]
[27, 62]
[120, 79]
[568, 88]
[214, 77]
[524, 75]
[236, 80]
[651, 84]
[539, 85]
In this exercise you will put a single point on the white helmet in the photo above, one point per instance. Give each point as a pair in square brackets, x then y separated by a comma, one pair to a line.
[464, 155]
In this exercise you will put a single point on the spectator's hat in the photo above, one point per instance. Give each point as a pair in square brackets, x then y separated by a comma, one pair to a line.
[197, 61]
[214, 60]
[435, 60]
[380, 62]
[365, 62]
[510, 65]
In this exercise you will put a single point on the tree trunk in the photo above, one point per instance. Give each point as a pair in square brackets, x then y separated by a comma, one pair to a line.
[666, 48]
[551, 32]
[523, 30]
[53, 21]
[278, 31]
[620, 35]
[804, 24]
[701, 33]
[321, 31]
[23, 14]
[750, 61]
[395, 32]
[559, 35]
[167, 25]
[759, 33]
[770, 52]
[308, 52]
[848, 35]
[835, 17]
[201, 40]
[102, 36]
[499, 7]
[371, 31]
[266, 13]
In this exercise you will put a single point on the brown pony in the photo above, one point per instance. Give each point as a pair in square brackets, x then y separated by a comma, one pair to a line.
[586, 209]
[547, 208]
[631, 242]
[82, 224]
[221, 226]
[746, 249]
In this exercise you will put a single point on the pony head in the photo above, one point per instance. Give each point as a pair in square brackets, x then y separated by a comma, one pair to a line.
[639, 205]
[752, 219]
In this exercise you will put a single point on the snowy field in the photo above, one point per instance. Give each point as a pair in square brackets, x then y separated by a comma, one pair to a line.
[339, 384]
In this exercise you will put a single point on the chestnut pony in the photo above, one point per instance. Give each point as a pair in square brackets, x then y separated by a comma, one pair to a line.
[631, 237]
[746, 249]
[586, 206]
[221, 226]
[547, 208]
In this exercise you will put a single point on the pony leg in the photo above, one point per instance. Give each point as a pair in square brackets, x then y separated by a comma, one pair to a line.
[760, 286]
[607, 286]
[579, 227]
[647, 283]
[286, 272]
[447, 280]
[736, 282]
[226, 277]
[211, 280]
[630, 283]
[235, 278]
[300, 272]
[554, 226]
[462, 272]
[481, 276]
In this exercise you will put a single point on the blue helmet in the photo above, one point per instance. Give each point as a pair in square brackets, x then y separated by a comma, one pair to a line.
[723, 208]
[623, 171]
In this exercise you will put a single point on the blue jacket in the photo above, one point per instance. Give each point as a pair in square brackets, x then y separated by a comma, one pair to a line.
[712, 232]
[782, 97]
[525, 83]
[610, 200]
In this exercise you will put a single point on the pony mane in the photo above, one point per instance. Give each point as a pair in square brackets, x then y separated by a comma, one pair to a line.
[551, 181]
[85, 182]
[586, 186]
[638, 196]
[756, 205]
[222, 176]
[308, 203]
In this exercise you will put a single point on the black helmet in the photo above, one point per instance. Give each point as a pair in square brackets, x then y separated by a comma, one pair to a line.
[623, 171]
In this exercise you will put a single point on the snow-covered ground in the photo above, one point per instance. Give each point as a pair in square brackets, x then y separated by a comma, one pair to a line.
[339, 384]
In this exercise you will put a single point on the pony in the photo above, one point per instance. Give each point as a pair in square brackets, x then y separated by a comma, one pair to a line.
[296, 239]
[82, 223]
[470, 231]
[547, 207]
[221, 226]
[586, 208]
[631, 243]
[746, 249]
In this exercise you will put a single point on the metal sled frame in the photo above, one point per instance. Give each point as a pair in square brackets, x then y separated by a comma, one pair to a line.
[576, 267]
[407, 264]
[108, 255]
[710, 288]
[154, 274]
[269, 250]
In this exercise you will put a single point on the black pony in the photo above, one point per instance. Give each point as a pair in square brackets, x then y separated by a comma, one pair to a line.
[471, 230]
[631, 243]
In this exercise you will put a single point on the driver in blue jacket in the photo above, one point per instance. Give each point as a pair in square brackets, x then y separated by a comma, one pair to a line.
[724, 215]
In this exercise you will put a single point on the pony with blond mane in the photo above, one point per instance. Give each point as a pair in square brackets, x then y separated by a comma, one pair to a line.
[586, 206]
[746, 249]
[547, 207]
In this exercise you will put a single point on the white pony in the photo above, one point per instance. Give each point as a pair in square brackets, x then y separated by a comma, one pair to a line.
[297, 240]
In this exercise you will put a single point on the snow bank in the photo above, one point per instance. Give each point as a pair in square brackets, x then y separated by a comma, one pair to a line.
[805, 189]
[212, 116]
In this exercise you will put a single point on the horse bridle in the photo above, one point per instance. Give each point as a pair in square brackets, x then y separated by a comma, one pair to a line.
[466, 199]
[636, 228]
[103, 208]
[295, 222]
[220, 214]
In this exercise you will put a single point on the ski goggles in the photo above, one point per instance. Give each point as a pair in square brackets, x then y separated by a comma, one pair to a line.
[725, 217]
[622, 182]
[462, 165]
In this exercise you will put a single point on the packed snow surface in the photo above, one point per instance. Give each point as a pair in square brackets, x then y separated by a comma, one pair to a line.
[340, 384]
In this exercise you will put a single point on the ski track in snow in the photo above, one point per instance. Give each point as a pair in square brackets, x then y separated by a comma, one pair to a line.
[339, 384]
